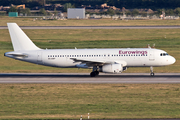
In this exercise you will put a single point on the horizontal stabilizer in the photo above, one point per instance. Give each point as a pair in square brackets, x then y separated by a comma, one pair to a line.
[15, 55]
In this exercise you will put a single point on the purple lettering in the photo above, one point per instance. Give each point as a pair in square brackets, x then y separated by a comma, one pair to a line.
[133, 52]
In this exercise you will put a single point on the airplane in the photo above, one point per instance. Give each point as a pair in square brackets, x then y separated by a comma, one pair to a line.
[115, 60]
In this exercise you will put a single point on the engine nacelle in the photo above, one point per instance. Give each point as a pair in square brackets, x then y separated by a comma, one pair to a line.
[112, 68]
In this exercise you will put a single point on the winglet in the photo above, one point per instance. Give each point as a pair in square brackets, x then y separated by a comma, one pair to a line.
[19, 39]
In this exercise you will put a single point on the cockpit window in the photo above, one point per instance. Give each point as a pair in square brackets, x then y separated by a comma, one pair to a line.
[163, 54]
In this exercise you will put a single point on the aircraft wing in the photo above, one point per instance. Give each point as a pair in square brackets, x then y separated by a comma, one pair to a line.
[90, 63]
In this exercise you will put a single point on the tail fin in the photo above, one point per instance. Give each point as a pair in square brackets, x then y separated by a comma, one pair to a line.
[19, 39]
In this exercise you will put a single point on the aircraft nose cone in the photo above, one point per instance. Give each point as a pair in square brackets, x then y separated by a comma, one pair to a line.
[173, 60]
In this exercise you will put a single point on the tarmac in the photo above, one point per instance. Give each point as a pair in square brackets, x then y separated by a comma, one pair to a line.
[97, 27]
[84, 78]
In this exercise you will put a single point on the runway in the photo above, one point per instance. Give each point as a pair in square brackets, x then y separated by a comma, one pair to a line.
[76, 78]
[96, 27]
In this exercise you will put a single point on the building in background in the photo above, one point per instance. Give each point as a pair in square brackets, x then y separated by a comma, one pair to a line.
[13, 14]
[76, 13]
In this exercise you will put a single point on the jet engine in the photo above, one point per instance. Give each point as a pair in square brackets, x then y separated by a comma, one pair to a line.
[111, 68]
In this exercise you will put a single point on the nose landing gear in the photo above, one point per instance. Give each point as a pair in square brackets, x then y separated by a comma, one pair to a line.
[152, 73]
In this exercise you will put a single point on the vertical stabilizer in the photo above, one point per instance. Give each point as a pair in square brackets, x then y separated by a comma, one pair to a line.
[19, 39]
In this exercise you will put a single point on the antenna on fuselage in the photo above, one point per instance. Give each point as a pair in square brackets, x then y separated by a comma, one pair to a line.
[148, 46]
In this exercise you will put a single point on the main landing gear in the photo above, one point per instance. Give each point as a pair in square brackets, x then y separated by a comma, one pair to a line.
[152, 73]
[95, 72]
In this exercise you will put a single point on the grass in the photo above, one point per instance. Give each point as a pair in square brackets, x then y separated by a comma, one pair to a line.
[70, 101]
[90, 22]
[108, 38]
[166, 39]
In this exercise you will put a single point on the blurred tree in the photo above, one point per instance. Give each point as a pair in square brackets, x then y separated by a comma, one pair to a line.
[66, 6]
[55, 11]
[127, 12]
[13, 9]
[110, 12]
[177, 11]
[169, 12]
[135, 12]
[160, 11]
[41, 2]
[42, 11]
[25, 11]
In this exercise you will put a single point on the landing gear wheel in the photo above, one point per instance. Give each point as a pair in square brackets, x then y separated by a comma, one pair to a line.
[152, 74]
[92, 74]
[97, 72]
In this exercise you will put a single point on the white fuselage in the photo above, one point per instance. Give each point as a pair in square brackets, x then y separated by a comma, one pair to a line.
[130, 57]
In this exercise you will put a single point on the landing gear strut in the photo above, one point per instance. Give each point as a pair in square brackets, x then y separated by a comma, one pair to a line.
[152, 73]
[95, 72]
